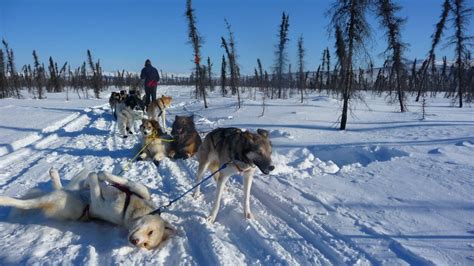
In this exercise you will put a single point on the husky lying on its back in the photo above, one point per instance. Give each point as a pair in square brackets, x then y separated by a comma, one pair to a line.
[121, 202]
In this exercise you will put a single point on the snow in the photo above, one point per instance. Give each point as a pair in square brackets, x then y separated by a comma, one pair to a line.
[391, 189]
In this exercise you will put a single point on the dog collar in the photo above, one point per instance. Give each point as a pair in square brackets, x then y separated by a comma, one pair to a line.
[240, 169]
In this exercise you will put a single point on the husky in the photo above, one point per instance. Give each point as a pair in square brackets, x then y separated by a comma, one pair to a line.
[128, 112]
[101, 196]
[155, 141]
[157, 108]
[242, 151]
[186, 139]
[115, 99]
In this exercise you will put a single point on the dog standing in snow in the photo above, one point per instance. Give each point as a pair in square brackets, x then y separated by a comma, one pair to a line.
[242, 150]
[128, 112]
[115, 99]
[101, 196]
[157, 108]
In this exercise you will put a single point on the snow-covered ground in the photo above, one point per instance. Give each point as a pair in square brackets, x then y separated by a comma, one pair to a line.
[389, 190]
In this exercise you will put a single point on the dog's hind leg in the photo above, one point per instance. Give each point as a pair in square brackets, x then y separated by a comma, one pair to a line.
[203, 166]
[129, 121]
[79, 181]
[248, 178]
[133, 186]
[121, 123]
[96, 194]
[53, 173]
[220, 188]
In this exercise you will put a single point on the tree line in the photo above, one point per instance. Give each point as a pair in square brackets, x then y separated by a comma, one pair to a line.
[340, 72]
[346, 76]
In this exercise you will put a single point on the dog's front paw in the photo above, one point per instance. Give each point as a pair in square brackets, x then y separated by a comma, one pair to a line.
[248, 215]
[196, 194]
[53, 172]
[211, 219]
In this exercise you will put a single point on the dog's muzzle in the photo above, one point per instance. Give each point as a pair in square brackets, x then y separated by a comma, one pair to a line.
[266, 170]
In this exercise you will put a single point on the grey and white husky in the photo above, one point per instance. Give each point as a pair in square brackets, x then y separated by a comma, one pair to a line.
[243, 151]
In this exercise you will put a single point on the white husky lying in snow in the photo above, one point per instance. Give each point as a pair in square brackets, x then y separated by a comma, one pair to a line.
[121, 202]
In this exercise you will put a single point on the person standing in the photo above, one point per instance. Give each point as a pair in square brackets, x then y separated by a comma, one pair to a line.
[151, 77]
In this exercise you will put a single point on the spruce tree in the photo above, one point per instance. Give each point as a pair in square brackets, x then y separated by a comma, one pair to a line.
[280, 53]
[351, 14]
[392, 24]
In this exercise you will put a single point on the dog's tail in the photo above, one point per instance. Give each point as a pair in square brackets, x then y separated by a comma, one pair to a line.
[24, 204]
[59, 204]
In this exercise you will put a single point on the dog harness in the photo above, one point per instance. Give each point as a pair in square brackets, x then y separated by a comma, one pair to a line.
[128, 195]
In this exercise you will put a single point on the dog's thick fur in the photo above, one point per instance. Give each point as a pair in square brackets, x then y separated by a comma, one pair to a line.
[128, 112]
[186, 139]
[153, 138]
[157, 108]
[115, 99]
[101, 201]
[242, 151]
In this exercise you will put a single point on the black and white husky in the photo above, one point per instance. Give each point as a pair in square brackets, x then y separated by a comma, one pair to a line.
[128, 112]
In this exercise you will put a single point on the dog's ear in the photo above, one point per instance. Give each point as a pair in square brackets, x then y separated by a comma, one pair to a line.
[169, 231]
[155, 124]
[248, 137]
[143, 121]
[262, 132]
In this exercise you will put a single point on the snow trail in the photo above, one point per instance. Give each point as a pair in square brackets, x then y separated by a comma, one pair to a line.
[384, 192]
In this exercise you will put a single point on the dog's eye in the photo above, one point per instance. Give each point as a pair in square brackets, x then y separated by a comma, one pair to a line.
[150, 233]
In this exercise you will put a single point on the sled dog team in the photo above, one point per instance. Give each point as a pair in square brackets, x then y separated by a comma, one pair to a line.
[123, 202]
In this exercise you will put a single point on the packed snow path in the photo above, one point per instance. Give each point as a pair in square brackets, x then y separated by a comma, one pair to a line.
[390, 190]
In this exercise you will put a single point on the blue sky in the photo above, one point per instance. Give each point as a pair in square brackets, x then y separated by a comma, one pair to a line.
[123, 33]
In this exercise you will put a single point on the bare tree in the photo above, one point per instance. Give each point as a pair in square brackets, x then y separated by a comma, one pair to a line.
[301, 73]
[196, 41]
[392, 23]
[436, 37]
[229, 47]
[3, 76]
[280, 53]
[209, 73]
[14, 80]
[351, 14]
[223, 76]
[39, 76]
[96, 79]
[461, 18]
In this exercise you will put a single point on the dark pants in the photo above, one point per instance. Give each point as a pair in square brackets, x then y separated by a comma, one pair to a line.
[150, 95]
